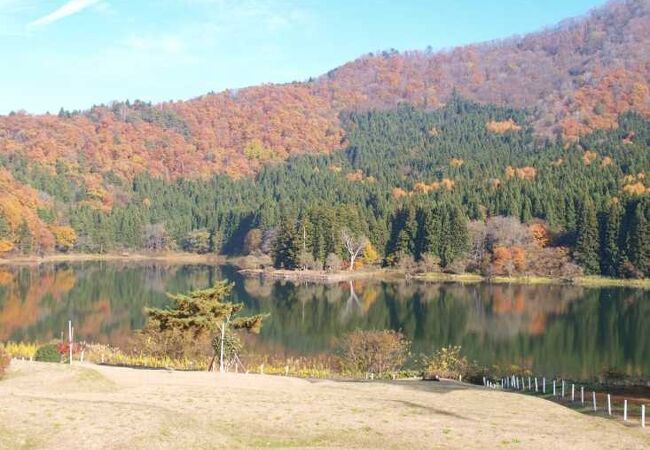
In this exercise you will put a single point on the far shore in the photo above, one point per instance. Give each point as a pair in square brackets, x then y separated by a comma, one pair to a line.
[321, 276]
[169, 257]
[587, 281]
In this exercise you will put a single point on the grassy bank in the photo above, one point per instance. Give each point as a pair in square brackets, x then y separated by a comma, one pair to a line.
[589, 281]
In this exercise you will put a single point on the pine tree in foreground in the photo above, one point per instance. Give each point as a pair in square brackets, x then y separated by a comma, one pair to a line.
[204, 312]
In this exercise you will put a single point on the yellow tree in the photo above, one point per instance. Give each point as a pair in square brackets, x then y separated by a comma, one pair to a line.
[65, 237]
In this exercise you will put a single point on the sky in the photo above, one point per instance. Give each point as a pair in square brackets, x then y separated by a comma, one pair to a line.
[77, 53]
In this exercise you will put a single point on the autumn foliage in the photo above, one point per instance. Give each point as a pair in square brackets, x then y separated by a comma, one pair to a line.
[508, 260]
[580, 75]
[501, 127]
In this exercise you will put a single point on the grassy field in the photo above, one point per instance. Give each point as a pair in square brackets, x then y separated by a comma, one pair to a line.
[55, 406]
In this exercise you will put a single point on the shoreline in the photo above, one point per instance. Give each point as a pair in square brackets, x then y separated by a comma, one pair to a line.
[311, 276]
[318, 276]
[584, 281]
[171, 257]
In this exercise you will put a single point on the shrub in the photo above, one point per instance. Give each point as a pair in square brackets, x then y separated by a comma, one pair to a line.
[25, 350]
[174, 344]
[333, 262]
[48, 353]
[378, 352]
[446, 362]
[429, 263]
[5, 360]
[232, 347]
[407, 264]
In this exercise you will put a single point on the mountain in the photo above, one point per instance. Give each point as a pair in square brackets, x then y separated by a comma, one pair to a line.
[545, 91]
[576, 77]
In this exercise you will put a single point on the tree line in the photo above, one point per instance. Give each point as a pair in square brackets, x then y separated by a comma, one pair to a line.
[418, 185]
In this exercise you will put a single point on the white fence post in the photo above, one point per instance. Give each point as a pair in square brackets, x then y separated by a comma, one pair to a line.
[573, 392]
[582, 395]
[609, 404]
[544, 384]
[70, 339]
[593, 395]
[643, 416]
[553, 388]
[536, 387]
[625, 410]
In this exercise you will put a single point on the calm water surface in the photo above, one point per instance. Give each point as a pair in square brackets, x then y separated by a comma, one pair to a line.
[564, 330]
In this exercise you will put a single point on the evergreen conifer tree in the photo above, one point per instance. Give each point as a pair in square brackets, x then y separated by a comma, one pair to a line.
[587, 242]
[610, 251]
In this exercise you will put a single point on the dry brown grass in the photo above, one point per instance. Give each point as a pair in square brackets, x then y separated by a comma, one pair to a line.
[54, 406]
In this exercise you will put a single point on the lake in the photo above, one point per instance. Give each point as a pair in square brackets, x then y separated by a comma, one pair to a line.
[557, 330]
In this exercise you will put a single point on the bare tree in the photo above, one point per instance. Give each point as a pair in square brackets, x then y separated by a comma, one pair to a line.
[156, 238]
[507, 232]
[354, 244]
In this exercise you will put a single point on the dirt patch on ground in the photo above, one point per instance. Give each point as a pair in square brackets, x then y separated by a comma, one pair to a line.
[86, 406]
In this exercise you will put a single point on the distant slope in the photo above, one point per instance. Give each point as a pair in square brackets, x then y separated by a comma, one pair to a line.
[576, 77]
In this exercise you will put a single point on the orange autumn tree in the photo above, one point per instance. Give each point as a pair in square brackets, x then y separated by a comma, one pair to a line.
[508, 260]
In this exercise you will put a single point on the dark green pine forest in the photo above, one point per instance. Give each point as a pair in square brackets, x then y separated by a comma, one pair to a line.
[437, 190]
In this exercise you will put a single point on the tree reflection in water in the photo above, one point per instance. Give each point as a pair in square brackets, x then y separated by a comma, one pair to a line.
[565, 330]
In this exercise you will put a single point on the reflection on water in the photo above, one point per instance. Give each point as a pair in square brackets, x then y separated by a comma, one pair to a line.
[564, 330]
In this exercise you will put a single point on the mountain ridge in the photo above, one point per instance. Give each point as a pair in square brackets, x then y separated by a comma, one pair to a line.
[237, 131]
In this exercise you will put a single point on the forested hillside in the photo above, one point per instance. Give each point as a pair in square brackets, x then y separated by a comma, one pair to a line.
[463, 187]
[550, 129]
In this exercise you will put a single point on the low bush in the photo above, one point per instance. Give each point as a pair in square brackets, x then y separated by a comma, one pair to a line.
[376, 352]
[446, 362]
[24, 350]
[48, 353]
[5, 360]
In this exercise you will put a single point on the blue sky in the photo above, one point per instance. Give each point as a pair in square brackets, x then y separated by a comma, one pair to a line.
[76, 53]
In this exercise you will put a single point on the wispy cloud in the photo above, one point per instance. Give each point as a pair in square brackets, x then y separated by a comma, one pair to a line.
[68, 9]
